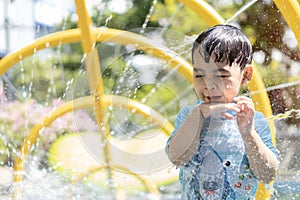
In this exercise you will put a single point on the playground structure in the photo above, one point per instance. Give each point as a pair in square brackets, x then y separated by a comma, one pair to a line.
[100, 101]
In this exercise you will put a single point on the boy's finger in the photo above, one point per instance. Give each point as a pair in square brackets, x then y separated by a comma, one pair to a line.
[228, 116]
[238, 98]
[233, 107]
[246, 102]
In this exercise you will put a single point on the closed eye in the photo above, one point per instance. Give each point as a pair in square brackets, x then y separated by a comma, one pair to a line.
[198, 76]
[223, 76]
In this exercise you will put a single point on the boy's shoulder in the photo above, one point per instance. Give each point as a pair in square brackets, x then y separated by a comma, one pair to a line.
[260, 117]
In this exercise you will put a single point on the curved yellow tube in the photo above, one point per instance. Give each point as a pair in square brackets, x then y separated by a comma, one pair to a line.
[51, 40]
[148, 46]
[84, 102]
[204, 11]
[88, 42]
[111, 35]
[290, 10]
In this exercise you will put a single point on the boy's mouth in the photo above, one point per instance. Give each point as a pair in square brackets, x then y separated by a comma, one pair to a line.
[214, 98]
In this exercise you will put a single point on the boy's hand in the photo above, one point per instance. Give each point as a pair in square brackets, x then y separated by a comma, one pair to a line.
[246, 114]
[218, 109]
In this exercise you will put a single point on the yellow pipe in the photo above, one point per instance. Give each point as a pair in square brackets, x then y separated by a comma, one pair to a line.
[88, 44]
[262, 104]
[290, 10]
[83, 102]
[51, 40]
[111, 35]
[142, 109]
[204, 11]
[261, 99]
[148, 46]
[85, 25]
[103, 126]
[34, 133]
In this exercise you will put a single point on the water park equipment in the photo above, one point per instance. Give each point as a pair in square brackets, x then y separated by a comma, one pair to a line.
[88, 36]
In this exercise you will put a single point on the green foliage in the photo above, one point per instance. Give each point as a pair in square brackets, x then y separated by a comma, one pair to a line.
[44, 79]
[131, 19]
[267, 74]
[4, 153]
[182, 19]
[159, 98]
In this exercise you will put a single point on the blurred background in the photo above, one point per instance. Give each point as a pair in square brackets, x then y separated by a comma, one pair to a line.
[41, 82]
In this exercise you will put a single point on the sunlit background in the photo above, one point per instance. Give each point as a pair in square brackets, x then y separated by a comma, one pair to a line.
[37, 85]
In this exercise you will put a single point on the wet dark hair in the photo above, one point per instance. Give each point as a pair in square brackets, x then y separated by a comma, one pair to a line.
[227, 43]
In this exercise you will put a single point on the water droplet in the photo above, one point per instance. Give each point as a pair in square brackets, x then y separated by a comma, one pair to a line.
[162, 188]
[108, 19]
[83, 58]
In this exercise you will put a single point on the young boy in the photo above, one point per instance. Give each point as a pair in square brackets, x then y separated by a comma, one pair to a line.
[222, 145]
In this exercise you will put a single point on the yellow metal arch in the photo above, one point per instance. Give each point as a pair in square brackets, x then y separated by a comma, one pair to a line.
[84, 102]
[111, 35]
[290, 10]
[204, 11]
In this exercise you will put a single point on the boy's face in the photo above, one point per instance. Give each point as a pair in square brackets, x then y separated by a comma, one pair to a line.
[218, 82]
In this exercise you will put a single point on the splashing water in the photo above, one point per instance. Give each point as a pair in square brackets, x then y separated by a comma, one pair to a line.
[280, 86]
[241, 10]
[39, 180]
[151, 10]
[295, 113]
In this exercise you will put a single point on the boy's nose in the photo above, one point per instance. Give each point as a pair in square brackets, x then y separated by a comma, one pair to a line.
[210, 85]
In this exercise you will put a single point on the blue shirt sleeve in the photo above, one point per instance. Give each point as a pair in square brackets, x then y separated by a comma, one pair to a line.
[261, 126]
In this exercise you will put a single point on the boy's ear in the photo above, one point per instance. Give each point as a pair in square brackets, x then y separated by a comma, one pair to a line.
[247, 74]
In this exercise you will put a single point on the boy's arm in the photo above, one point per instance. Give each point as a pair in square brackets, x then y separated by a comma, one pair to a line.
[263, 162]
[186, 140]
